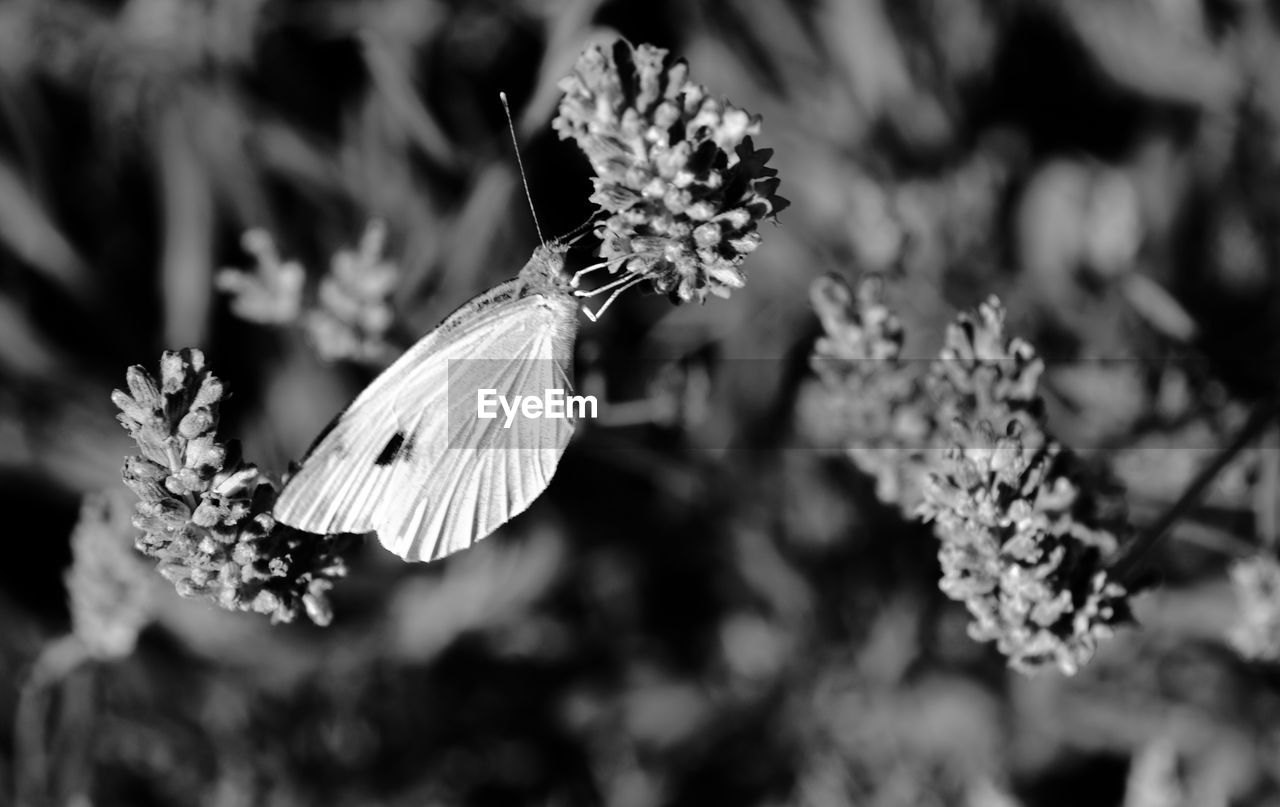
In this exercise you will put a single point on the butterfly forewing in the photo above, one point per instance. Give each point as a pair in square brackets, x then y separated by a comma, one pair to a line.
[491, 469]
[410, 459]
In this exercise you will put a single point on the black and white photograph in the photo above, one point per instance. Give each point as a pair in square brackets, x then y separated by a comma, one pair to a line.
[602, 403]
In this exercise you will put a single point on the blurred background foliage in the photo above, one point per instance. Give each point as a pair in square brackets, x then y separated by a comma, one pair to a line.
[700, 610]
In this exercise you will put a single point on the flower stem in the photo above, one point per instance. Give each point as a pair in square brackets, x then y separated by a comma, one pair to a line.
[1128, 560]
[56, 660]
[1265, 507]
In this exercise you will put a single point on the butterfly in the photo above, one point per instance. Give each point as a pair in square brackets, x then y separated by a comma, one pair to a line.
[411, 460]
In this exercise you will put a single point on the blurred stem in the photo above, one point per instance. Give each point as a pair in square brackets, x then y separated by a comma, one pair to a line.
[1130, 557]
[1266, 506]
[56, 660]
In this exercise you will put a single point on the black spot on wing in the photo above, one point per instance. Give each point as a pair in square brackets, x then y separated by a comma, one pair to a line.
[397, 447]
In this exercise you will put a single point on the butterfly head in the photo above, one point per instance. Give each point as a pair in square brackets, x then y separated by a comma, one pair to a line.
[544, 273]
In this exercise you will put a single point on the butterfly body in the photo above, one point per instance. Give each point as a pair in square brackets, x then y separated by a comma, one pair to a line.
[410, 459]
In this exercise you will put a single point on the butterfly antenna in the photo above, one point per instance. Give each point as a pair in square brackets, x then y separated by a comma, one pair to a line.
[581, 231]
[524, 180]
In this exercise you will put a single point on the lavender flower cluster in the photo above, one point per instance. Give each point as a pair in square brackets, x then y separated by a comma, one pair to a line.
[204, 513]
[1024, 527]
[677, 174]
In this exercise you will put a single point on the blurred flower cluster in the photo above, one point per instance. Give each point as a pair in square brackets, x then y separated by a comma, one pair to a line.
[1025, 528]
[677, 174]
[873, 398]
[1257, 585]
[926, 227]
[205, 514]
[109, 584]
[352, 311]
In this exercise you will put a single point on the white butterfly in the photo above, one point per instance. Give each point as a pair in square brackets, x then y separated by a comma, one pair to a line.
[410, 459]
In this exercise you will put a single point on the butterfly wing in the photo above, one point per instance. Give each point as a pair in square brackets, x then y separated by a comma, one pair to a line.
[411, 460]
[491, 469]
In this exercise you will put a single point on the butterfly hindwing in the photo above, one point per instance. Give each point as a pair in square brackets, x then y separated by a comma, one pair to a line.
[341, 481]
